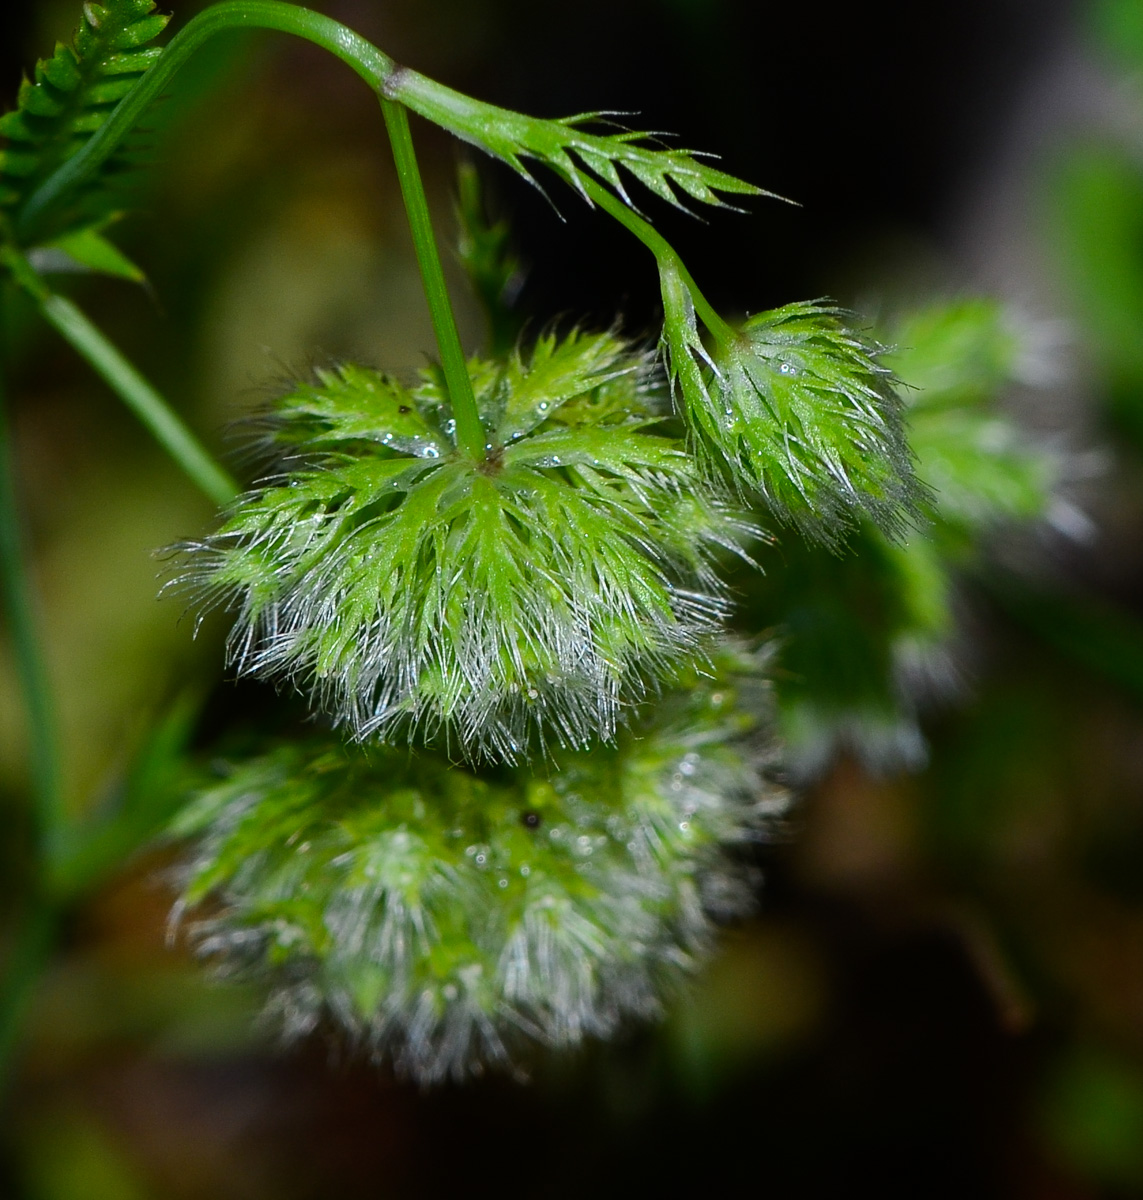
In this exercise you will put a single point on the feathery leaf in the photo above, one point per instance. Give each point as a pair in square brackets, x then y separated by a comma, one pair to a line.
[71, 96]
[569, 146]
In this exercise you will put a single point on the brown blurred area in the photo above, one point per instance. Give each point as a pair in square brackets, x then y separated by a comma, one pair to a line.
[942, 992]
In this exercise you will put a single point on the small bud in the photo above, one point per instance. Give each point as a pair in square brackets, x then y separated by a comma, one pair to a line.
[798, 408]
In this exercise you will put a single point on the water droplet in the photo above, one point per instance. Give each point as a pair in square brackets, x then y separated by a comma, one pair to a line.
[543, 406]
[685, 826]
[525, 870]
[502, 882]
[481, 859]
[788, 369]
[387, 438]
[533, 694]
[450, 427]
[471, 850]
[432, 452]
[686, 768]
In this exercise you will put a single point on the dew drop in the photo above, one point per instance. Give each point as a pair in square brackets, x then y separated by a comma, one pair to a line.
[525, 870]
[481, 859]
[471, 850]
[788, 369]
[450, 427]
[533, 694]
[543, 406]
[502, 882]
[685, 826]
[432, 452]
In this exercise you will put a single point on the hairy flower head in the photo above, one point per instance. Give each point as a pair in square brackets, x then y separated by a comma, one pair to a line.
[443, 918]
[413, 590]
[796, 407]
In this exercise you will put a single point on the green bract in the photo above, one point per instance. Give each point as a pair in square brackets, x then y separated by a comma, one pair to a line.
[567, 145]
[415, 590]
[440, 917]
[795, 406]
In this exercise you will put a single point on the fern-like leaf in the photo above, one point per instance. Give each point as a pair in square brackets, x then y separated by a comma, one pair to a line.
[71, 96]
[570, 146]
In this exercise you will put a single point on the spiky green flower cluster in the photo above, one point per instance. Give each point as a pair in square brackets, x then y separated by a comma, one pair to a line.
[798, 408]
[527, 597]
[869, 636]
[441, 918]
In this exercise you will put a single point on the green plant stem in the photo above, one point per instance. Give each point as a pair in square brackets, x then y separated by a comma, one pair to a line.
[376, 68]
[469, 431]
[19, 613]
[665, 254]
[28, 956]
[370, 63]
[32, 946]
[141, 398]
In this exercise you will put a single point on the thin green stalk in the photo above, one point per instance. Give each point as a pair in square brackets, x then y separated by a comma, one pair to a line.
[32, 946]
[29, 955]
[376, 68]
[469, 431]
[664, 253]
[31, 671]
[141, 398]
[370, 63]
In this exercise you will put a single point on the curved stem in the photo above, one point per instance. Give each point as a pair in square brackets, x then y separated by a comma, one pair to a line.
[29, 955]
[370, 63]
[663, 251]
[141, 398]
[469, 431]
[377, 69]
[19, 612]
